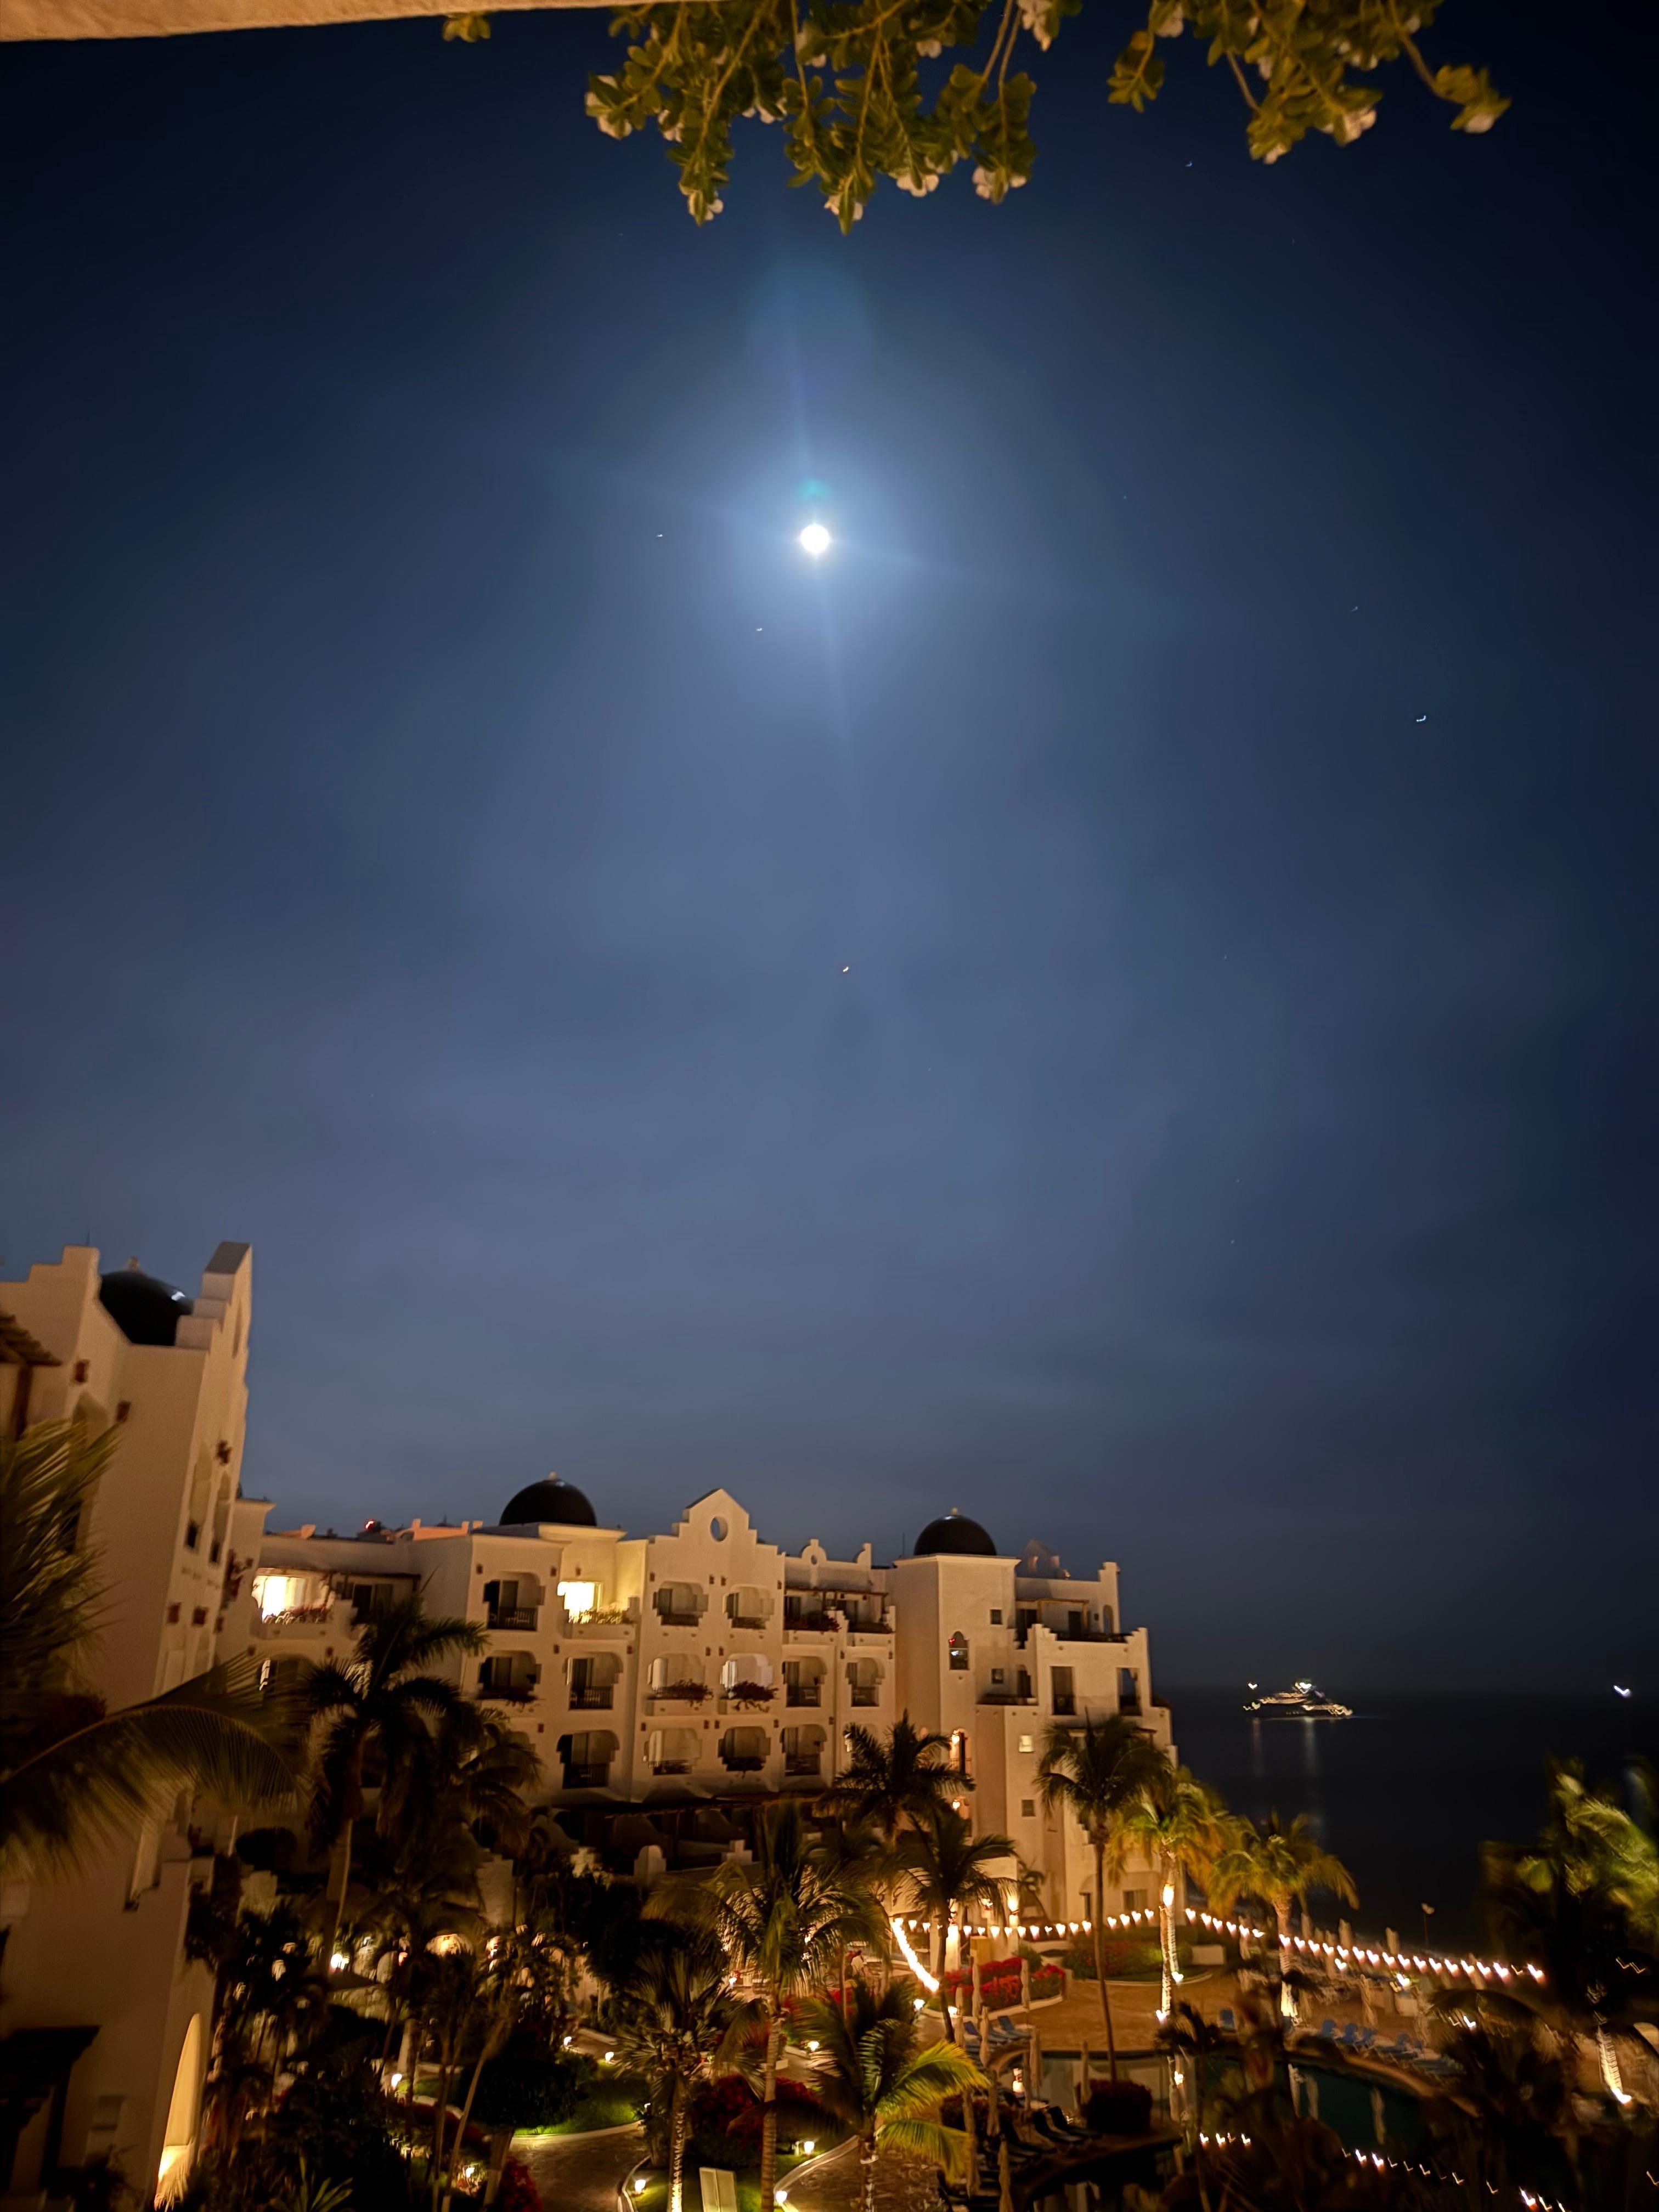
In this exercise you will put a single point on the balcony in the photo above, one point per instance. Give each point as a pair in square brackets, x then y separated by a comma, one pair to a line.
[515, 1616]
[1005, 1698]
[805, 1764]
[747, 1620]
[672, 1766]
[865, 1693]
[674, 1617]
[742, 1763]
[804, 1694]
[587, 1778]
[814, 1624]
[590, 1697]
[508, 1693]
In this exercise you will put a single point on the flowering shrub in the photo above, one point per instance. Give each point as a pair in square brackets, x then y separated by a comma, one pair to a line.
[518, 2192]
[1137, 1957]
[845, 80]
[725, 2120]
[1000, 1986]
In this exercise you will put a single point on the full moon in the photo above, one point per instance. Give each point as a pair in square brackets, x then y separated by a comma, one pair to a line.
[816, 540]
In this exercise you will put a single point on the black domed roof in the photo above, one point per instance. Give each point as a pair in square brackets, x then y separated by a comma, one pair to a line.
[956, 1534]
[143, 1308]
[551, 1500]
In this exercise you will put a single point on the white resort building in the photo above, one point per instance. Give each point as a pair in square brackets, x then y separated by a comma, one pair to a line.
[666, 1682]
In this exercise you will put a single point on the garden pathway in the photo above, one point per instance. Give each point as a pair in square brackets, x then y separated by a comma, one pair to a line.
[580, 2174]
[831, 2184]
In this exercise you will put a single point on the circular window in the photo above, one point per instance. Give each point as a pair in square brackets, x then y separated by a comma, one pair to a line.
[717, 1530]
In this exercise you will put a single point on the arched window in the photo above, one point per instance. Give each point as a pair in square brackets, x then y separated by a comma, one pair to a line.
[958, 1650]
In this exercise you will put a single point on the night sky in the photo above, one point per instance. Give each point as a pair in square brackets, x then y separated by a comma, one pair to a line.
[1029, 1016]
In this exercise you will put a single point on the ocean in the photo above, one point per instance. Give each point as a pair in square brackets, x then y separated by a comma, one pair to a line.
[1406, 1791]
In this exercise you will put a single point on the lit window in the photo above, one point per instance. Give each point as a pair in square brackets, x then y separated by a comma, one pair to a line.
[276, 1595]
[579, 1598]
[1027, 1743]
[958, 1651]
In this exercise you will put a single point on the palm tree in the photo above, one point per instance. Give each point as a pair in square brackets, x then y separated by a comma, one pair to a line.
[902, 1779]
[945, 1872]
[1096, 1774]
[381, 1700]
[1195, 2046]
[1584, 1906]
[73, 1773]
[1179, 1827]
[873, 2077]
[672, 2019]
[861, 1856]
[781, 1919]
[1278, 1866]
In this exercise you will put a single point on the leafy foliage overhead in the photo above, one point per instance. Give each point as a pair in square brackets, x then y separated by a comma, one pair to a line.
[75, 1775]
[863, 91]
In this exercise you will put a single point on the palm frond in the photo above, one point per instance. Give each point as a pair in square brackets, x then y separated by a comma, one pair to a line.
[925, 2081]
[49, 1594]
[930, 2140]
[74, 1795]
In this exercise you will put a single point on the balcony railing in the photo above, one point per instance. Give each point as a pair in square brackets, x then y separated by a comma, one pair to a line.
[804, 1694]
[804, 1762]
[865, 1693]
[747, 1619]
[817, 1624]
[744, 1765]
[587, 1778]
[592, 1696]
[672, 1766]
[1005, 1697]
[511, 1693]
[514, 1616]
[674, 1617]
[870, 1627]
[298, 1616]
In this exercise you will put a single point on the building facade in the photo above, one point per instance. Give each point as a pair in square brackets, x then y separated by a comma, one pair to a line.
[103, 2023]
[664, 1680]
[707, 1664]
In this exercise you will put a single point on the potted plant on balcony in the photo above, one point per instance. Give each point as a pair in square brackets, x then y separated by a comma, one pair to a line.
[750, 1693]
[684, 1693]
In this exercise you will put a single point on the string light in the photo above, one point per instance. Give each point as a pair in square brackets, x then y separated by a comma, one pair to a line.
[1345, 1955]
[1380, 2165]
[929, 1982]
